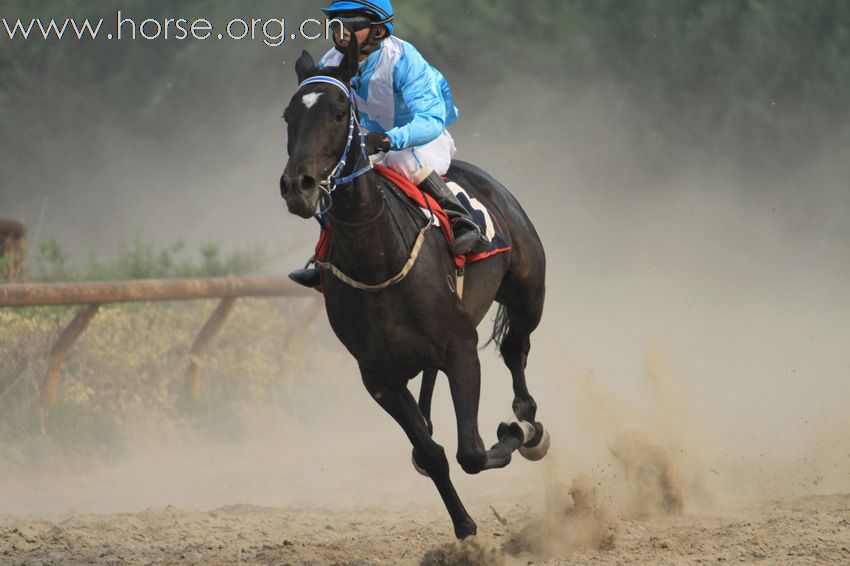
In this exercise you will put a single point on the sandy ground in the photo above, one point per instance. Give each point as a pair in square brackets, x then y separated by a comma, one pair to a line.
[809, 530]
[622, 484]
[343, 493]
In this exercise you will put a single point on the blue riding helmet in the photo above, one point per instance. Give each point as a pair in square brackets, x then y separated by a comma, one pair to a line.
[381, 9]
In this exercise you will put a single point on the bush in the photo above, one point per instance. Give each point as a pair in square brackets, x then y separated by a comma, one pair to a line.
[142, 259]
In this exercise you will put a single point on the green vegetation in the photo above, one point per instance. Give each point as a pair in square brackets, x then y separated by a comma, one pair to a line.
[5, 263]
[142, 259]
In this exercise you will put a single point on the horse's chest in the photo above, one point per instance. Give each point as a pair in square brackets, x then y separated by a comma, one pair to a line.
[387, 334]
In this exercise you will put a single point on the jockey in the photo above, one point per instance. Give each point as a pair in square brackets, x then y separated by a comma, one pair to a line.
[405, 106]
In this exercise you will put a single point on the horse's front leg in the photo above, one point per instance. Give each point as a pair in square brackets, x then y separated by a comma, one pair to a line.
[464, 373]
[426, 393]
[400, 404]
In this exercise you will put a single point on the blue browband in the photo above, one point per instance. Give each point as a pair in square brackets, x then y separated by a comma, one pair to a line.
[327, 80]
[334, 180]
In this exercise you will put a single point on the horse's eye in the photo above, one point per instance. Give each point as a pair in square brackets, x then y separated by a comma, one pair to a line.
[340, 116]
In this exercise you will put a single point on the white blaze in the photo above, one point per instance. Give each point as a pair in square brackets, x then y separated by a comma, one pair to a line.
[310, 99]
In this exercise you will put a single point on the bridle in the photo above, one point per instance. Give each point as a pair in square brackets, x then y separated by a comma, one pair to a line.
[335, 179]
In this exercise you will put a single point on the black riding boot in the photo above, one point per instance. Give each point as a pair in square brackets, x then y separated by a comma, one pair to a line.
[467, 233]
[307, 276]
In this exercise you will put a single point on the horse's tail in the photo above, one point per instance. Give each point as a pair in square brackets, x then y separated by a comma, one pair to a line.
[501, 326]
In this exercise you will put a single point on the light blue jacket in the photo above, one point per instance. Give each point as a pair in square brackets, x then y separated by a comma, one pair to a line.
[400, 93]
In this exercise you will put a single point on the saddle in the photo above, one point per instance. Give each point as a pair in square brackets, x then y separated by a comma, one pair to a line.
[485, 219]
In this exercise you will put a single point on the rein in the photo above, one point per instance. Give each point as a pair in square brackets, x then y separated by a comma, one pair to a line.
[336, 180]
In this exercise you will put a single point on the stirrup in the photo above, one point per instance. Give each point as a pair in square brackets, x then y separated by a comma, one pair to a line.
[464, 243]
[468, 236]
[308, 277]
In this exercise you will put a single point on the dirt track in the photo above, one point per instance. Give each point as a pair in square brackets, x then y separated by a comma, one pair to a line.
[811, 530]
[326, 480]
[311, 496]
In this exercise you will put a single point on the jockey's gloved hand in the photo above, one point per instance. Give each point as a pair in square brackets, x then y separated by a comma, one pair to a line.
[377, 142]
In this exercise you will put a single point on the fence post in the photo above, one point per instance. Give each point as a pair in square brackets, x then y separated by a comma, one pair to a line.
[202, 342]
[50, 386]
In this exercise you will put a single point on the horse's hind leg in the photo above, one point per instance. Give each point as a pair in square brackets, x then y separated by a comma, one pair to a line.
[514, 348]
[519, 315]
[401, 406]
[519, 318]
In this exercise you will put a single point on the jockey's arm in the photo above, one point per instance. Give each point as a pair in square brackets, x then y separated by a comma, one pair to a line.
[420, 91]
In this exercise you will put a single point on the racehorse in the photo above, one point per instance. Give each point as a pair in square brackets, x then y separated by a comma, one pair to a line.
[391, 289]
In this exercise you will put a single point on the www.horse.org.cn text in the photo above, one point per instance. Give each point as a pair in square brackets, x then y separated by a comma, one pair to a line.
[273, 32]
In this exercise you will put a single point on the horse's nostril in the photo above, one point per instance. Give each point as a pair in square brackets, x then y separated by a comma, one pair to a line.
[284, 186]
[307, 183]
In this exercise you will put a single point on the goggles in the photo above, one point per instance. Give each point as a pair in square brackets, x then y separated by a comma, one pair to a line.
[355, 23]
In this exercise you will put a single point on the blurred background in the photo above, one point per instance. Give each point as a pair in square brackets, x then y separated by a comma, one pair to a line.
[102, 136]
[687, 165]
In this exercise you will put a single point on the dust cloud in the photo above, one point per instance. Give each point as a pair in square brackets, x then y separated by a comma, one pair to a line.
[468, 552]
[575, 519]
[648, 468]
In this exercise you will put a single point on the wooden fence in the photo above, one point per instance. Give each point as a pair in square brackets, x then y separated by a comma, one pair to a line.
[92, 295]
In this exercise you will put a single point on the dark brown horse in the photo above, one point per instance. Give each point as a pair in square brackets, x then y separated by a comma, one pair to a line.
[415, 323]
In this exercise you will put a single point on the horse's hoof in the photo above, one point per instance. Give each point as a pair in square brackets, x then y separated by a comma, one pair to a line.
[522, 430]
[465, 529]
[419, 468]
[540, 445]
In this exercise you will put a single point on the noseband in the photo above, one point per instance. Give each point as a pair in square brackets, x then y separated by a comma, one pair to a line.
[336, 179]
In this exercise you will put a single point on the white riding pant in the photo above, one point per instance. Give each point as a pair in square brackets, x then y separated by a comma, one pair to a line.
[414, 163]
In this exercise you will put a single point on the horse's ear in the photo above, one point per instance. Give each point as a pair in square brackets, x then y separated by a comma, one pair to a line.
[351, 61]
[304, 65]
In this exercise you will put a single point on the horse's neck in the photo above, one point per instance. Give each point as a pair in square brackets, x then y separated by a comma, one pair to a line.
[355, 205]
[366, 232]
